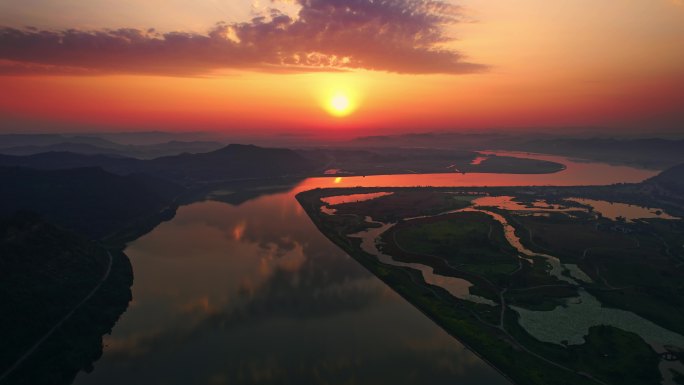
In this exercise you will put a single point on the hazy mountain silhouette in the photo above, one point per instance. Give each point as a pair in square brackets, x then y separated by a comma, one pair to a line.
[147, 151]
[78, 148]
[671, 179]
[89, 200]
[654, 153]
[21, 140]
[450, 140]
[67, 160]
[231, 162]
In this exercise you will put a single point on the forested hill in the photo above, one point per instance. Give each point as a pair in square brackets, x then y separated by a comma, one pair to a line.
[229, 163]
[90, 201]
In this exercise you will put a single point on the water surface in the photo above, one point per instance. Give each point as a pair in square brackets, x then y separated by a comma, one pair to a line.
[614, 210]
[254, 293]
[457, 287]
[576, 173]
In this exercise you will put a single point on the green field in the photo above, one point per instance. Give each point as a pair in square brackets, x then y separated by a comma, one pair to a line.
[405, 204]
[632, 266]
[466, 237]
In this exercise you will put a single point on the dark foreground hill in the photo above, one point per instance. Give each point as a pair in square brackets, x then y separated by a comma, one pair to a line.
[232, 162]
[88, 200]
[671, 179]
[228, 163]
[46, 275]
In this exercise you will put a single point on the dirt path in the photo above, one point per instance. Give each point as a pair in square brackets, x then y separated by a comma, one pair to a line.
[60, 322]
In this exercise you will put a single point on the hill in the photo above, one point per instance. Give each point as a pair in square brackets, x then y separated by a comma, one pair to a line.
[58, 285]
[88, 200]
[231, 162]
[443, 140]
[24, 140]
[671, 179]
[148, 151]
[77, 148]
[58, 160]
[652, 153]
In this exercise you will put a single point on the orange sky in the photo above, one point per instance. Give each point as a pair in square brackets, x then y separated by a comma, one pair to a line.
[615, 63]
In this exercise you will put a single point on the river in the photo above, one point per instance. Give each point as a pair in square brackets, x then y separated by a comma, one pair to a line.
[254, 293]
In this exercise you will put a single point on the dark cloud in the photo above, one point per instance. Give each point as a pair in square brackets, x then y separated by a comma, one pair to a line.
[404, 36]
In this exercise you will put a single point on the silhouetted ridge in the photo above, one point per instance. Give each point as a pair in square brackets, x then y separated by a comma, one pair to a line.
[57, 160]
[671, 179]
[231, 162]
[653, 153]
[146, 151]
[89, 200]
[234, 161]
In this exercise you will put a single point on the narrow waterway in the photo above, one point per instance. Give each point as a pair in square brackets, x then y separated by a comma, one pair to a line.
[568, 324]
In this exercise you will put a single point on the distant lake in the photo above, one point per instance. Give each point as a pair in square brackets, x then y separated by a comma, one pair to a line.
[254, 293]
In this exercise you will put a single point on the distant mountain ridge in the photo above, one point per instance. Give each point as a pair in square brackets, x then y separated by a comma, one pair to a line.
[671, 179]
[91, 201]
[78, 148]
[234, 161]
[40, 140]
[440, 140]
[649, 152]
[17, 144]
[58, 160]
[653, 153]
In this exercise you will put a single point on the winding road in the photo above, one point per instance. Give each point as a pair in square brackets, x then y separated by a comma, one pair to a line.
[60, 322]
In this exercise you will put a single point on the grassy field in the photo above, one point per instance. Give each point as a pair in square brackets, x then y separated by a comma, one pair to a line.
[456, 317]
[405, 204]
[634, 267]
[610, 354]
[568, 238]
[466, 237]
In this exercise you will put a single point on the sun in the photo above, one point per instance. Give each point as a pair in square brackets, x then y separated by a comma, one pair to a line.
[339, 104]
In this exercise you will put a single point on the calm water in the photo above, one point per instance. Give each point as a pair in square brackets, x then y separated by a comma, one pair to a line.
[255, 294]
[613, 210]
[576, 173]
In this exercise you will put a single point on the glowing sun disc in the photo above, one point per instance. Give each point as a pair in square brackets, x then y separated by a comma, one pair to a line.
[339, 105]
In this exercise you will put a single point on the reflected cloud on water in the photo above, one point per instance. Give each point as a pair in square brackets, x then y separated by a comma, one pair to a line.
[255, 294]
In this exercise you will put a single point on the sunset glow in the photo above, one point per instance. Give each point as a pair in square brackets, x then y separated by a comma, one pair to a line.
[482, 65]
[342, 191]
[339, 105]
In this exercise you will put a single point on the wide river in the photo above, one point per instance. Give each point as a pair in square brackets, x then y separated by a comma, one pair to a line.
[254, 293]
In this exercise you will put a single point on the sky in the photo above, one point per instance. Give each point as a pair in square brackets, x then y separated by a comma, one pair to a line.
[337, 68]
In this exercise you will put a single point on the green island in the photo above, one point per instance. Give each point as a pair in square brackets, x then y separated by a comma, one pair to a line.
[543, 283]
